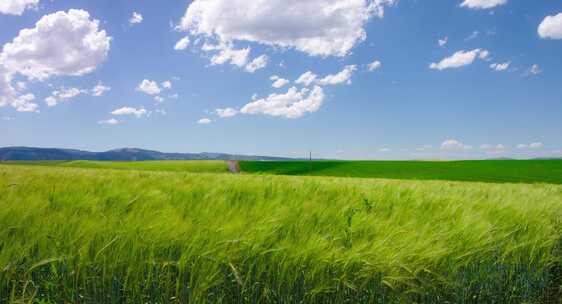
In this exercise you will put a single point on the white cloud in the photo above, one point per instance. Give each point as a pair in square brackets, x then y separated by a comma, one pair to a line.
[10, 96]
[167, 84]
[63, 94]
[182, 44]
[226, 112]
[100, 89]
[484, 55]
[342, 77]
[500, 147]
[535, 69]
[136, 18]
[17, 7]
[60, 44]
[551, 27]
[227, 54]
[158, 99]
[24, 103]
[130, 111]
[292, 104]
[536, 145]
[453, 144]
[482, 4]
[384, 150]
[485, 146]
[149, 87]
[278, 82]
[316, 27]
[443, 41]
[500, 66]
[204, 121]
[460, 59]
[257, 64]
[375, 65]
[306, 79]
[111, 121]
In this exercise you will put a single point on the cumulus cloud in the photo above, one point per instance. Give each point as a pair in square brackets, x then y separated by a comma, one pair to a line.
[204, 121]
[315, 27]
[460, 59]
[62, 43]
[306, 79]
[158, 99]
[453, 144]
[257, 64]
[375, 65]
[182, 44]
[482, 4]
[500, 66]
[292, 104]
[443, 41]
[130, 111]
[551, 27]
[24, 103]
[342, 77]
[226, 53]
[63, 94]
[136, 18]
[226, 112]
[100, 89]
[111, 121]
[536, 145]
[149, 87]
[278, 82]
[17, 7]
[9, 96]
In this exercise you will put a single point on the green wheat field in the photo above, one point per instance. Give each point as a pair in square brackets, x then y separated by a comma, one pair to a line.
[353, 232]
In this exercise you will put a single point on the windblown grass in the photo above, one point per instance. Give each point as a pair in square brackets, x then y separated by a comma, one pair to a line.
[111, 236]
[510, 171]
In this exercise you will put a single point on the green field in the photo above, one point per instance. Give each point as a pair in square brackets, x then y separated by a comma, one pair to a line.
[69, 235]
[513, 171]
[195, 166]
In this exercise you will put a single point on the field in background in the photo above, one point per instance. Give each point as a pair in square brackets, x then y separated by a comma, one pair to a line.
[195, 166]
[495, 171]
[512, 171]
[92, 236]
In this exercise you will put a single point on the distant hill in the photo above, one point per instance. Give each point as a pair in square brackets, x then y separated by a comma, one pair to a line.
[126, 154]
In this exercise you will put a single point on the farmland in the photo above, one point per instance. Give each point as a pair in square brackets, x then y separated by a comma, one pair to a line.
[160, 234]
[496, 171]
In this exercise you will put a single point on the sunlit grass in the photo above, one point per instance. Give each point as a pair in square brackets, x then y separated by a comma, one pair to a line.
[113, 236]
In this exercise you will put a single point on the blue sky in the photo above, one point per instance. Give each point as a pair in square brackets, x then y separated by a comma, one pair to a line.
[466, 79]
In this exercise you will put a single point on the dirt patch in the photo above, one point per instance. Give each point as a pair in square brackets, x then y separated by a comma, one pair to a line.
[233, 166]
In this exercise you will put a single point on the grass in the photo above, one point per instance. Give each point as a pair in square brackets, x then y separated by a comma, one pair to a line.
[115, 236]
[510, 171]
[194, 166]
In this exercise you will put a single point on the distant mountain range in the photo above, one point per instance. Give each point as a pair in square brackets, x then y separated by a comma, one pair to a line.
[126, 154]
